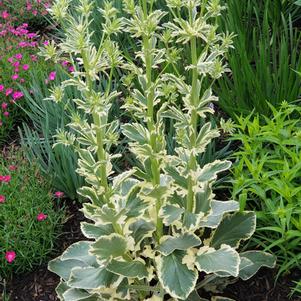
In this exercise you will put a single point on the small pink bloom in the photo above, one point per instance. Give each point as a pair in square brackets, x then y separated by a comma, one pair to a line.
[25, 67]
[10, 59]
[2, 198]
[1, 88]
[46, 43]
[34, 12]
[10, 256]
[6, 114]
[71, 69]
[5, 179]
[8, 91]
[59, 194]
[33, 57]
[52, 75]
[4, 14]
[17, 95]
[41, 217]
[4, 105]
[19, 56]
[12, 167]
[15, 76]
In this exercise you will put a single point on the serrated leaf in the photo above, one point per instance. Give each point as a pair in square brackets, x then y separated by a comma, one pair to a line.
[174, 276]
[80, 251]
[63, 267]
[109, 246]
[74, 294]
[225, 260]
[171, 213]
[233, 229]
[141, 229]
[258, 259]
[219, 208]
[130, 269]
[95, 231]
[183, 242]
[91, 278]
[209, 171]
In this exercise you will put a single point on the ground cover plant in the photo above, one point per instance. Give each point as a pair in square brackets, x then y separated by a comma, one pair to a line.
[29, 219]
[266, 178]
[18, 55]
[158, 224]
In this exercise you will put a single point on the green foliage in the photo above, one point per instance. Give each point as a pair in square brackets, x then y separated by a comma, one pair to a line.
[265, 56]
[155, 226]
[26, 195]
[266, 178]
[58, 163]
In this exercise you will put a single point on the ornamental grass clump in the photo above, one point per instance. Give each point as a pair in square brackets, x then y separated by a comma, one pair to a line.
[157, 230]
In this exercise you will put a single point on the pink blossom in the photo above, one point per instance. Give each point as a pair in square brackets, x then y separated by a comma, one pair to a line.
[15, 76]
[17, 95]
[4, 105]
[5, 179]
[4, 14]
[71, 69]
[12, 167]
[8, 91]
[52, 75]
[19, 56]
[1, 88]
[59, 194]
[41, 217]
[2, 198]
[34, 12]
[46, 43]
[33, 57]
[25, 67]
[6, 114]
[10, 256]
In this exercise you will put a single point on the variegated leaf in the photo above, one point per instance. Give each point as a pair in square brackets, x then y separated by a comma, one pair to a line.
[130, 269]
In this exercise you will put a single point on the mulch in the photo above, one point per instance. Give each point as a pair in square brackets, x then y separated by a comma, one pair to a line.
[40, 284]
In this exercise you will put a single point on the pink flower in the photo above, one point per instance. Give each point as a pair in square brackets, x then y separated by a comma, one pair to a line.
[4, 105]
[52, 75]
[5, 179]
[17, 95]
[46, 43]
[1, 88]
[2, 198]
[71, 69]
[12, 167]
[6, 114]
[34, 12]
[8, 91]
[4, 14]
[10, 256]
[25, 67]
[59, 194]
[33, 57]
[19, 56]
[41, 217]
[15, 76]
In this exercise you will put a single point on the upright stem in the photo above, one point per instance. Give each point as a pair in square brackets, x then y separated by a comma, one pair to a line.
[101, 154]
[193, 124]
[151, 122]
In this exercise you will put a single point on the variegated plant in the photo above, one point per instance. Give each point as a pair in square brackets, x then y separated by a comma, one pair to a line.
[157, 228]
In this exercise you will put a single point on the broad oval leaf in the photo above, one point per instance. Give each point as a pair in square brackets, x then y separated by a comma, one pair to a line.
[91, 278]
[233, 229]
[95, 231]
[225, 260]
[258, 259]
[130, 269]
[183, 242]
[174, 276]
[109, 246]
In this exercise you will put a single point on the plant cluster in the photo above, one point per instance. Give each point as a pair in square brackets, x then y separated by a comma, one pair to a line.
[266, 178]
[265, 56]
[29, 219]
[18, 55]
[158, 226]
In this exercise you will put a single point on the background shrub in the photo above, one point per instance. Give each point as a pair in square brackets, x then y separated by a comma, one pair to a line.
[267, 177]
[29, 222]
[265, 56]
